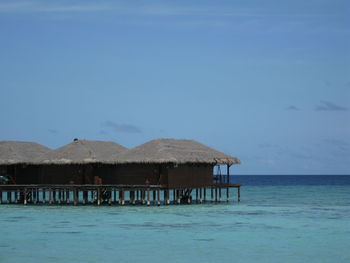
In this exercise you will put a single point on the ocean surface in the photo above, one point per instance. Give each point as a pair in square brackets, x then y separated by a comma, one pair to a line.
[279, 219]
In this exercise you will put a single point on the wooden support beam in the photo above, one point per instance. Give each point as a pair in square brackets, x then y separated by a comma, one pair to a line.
[59, 196]
[227, 194]
[205, 194]
[132, 197]
[200, 195]
[212, 193]
[44, 195]
[109, 197]
[9, 197]
[154, 196]
[122, 197]
[148, 197]
[25, 196]
[67, 196]
[98, 196]
[219, 194]
[158, 197]
[76, 195]
[0, 197]
[50, 196]
[178, 196]
[143, 196]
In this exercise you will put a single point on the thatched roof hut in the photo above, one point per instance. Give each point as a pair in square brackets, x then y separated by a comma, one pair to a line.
[16, 152]
[82, 152]
[173, 151]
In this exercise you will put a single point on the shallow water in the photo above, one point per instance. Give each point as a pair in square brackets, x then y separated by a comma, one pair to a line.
[274, 222]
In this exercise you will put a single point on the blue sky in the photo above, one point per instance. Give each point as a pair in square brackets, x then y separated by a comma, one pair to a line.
[265, 81]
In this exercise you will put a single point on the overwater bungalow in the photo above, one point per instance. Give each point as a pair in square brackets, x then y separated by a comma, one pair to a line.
[80, 162]
[16, 161]
[171, 163]
[98, 171]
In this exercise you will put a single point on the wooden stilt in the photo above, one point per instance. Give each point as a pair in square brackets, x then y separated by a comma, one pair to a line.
[50, 196]
[212, 194]
[167, 197]
[189, 196]
[205, 194]
[67, 196]
[154, 196]
[16, 196]
[148, 197]
[9, 197]
[219, 194]
[178, 196]
[122, 197]
[0, 197]
[158, 197]
[132, 197]
[59, 196]
[216, 194]
[25, 196]
[75, 192]
[197, 195]
[98, 196]
[200, 195]
[227, 194]
[109, 197]
[44, 195]
[143, 196]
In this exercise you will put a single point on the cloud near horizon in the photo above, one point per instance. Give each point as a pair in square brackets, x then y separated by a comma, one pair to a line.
[293, 108]
[329, 106]
[124, 128]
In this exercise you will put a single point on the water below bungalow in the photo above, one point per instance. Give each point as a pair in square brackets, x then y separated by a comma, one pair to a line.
[279, 219]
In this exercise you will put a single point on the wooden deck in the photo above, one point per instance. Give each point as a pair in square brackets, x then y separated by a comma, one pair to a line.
[114, 194]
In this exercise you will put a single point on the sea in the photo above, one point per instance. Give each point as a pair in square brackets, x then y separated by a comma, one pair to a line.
[279, 219]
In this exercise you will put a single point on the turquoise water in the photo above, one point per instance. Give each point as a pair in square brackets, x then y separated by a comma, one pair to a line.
[272, 223]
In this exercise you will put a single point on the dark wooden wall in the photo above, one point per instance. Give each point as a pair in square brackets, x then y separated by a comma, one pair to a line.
[138, 174]
[190, 176]
[181, 176]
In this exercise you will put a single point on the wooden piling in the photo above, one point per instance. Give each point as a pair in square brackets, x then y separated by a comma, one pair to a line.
[50, 196]
[67, 196]
[9, 197]
[158, 197]
[200, 195]
[76, 199]
[98, 196]
[25, 196]
[132, 197]
[148, 197]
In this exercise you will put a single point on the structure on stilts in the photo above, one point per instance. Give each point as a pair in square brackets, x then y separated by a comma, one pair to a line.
[159, 172]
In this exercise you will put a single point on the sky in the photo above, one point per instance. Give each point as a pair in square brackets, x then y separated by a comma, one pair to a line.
[265, 81]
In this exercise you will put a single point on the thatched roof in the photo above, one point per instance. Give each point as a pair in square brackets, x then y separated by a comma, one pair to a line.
[82, 151]
[174, 151]
[15, 152]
